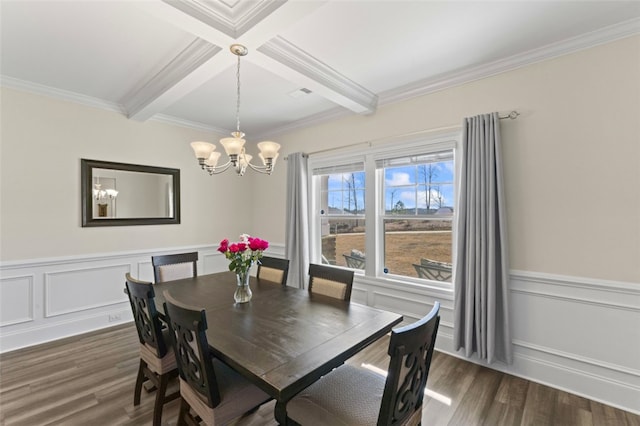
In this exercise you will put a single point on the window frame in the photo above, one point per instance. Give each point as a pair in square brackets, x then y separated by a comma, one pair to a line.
[374, 215]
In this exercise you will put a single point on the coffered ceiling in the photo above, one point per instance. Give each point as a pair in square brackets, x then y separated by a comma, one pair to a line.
[308, 60]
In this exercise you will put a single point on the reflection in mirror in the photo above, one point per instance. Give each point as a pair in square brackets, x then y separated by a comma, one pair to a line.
[127, 194]
[104, 194]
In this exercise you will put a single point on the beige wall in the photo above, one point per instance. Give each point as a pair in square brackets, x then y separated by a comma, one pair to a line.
[572, 159]
[572, 167]
[43, 140]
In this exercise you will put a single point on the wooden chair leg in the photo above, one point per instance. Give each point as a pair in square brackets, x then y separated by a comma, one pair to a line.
[139, 380]
[184, 411]
[162, 390]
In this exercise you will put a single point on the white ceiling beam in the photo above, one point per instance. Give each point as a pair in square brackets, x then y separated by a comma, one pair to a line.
[287, 14]
[255, 25]
[194, 66]
[284, 58]
[231, 19]
[188, 23]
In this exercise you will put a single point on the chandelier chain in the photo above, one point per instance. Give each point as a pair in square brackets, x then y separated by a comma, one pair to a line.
[238, 96]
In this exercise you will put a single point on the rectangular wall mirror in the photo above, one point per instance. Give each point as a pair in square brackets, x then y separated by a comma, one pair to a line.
[118, 194]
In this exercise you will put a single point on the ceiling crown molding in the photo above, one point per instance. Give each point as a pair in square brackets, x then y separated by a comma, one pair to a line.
[169, 119]
[65, 95]
[344, 91]
[554, 50]
[424, 87]
[318, 118]
[230, 18]
[139, 103]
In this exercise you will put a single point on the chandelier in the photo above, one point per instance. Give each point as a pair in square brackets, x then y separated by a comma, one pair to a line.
[101, 195]
[239, 160]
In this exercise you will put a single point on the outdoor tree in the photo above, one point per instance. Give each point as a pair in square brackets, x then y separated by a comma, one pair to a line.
[352, 194]
[393, 194]
[439, 198]
[428, 173]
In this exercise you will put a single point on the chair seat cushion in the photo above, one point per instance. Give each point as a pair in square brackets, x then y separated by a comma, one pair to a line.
[237, 396]
[347, 396]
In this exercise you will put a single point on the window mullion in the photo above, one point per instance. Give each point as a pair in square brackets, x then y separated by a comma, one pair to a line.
[373, 236]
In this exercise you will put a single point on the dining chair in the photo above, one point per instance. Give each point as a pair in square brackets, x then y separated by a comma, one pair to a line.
[157, 358]
[171, 267]
[433, 270]
[273, 269]
[330, 281]
[355, 259]
[212, 390]
[351, 395]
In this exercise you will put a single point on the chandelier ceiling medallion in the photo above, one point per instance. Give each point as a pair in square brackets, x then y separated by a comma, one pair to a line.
[239, 160]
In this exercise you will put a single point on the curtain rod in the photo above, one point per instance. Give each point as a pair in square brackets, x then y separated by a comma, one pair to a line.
[512, 115]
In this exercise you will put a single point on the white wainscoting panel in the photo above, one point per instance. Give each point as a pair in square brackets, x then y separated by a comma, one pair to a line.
[576, 334]
[48, 299]
[144, 271]
[16, 300]
[83, 289]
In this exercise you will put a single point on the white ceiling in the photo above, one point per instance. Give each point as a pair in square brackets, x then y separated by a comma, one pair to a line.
[170, 60]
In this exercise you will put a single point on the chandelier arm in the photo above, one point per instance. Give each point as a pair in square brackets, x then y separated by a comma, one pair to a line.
[261, 169]
[218, 169]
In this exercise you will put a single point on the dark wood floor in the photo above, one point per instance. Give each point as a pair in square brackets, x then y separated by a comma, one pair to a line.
[89, 380]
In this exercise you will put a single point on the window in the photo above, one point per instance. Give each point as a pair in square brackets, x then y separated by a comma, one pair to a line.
[387, 212]
[418, 200]
[341, 213]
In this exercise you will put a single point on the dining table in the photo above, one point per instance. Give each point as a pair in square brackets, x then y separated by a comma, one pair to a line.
[283, 339]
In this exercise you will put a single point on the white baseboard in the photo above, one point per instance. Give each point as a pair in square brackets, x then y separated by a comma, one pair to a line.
[48, 331]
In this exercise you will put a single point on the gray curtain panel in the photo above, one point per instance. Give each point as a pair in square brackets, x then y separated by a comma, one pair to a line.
[297, 226]
[481, 307]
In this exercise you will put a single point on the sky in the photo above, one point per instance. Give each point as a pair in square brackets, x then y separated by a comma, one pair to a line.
[404, 183]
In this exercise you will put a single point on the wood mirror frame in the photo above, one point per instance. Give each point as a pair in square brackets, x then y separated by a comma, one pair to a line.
[87, 186]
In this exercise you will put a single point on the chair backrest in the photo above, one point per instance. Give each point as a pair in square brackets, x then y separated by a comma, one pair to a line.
[145, 315]
[330, 281]
[174, 266]
[188, 325]
[411, 349]
[273, 269]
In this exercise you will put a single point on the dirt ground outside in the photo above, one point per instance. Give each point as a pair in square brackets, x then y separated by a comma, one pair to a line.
[402, 249]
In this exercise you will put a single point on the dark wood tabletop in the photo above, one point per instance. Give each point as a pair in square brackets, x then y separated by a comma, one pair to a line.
[284, 339]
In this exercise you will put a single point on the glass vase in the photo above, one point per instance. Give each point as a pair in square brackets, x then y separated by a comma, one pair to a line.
[243, 291]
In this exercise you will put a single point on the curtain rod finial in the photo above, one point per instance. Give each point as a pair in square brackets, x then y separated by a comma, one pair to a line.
[512, 115]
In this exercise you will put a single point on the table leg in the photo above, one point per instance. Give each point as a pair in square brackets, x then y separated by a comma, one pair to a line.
[280, 413]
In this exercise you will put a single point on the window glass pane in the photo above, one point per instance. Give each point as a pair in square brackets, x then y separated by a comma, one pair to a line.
[419, 189]
[342, 194]
[343, 242]
[418, 248]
